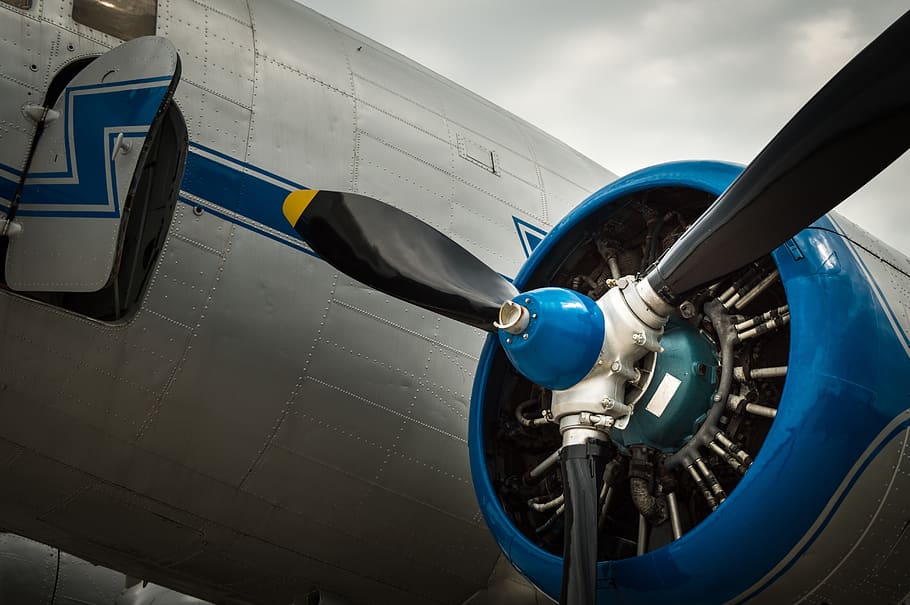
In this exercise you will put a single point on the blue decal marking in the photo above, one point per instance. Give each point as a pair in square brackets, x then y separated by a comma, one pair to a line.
[529, 235]
[246, 166]
[232, 218]
[239, 191]
[93, 115]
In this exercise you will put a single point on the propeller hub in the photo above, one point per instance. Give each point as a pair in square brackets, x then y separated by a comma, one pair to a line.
[553, 336]
[513, 318]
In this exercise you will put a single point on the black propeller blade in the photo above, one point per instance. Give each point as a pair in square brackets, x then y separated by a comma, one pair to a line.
[582, 472]
[395, 253]
[851, 130]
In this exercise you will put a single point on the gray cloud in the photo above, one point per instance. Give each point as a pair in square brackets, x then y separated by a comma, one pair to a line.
[637, 83]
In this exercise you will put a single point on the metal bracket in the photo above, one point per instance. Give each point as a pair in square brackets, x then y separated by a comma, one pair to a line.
[39, 113]
[121, 145]
[9, 228]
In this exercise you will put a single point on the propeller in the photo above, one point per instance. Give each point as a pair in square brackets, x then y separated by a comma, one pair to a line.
[857, 125]
[851, 130]
[396, 253]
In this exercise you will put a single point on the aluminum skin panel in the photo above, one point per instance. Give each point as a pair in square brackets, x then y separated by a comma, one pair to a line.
[213, 121]
[223, 66]
[301, 40]
[416, 135]
[562, 194]
[398, 110]
[376, 65]
[311, 430]
[313, 139]
[19, 84]
[479, 220]
[563, 161]
[405, 181]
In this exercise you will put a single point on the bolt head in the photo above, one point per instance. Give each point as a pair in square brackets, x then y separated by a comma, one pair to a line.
[687, 310]
[616, 366]
[525, 336]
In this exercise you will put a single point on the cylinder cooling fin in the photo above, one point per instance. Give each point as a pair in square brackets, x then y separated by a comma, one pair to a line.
[704, 406]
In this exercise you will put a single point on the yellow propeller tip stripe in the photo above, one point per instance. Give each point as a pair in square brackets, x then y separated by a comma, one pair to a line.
[296, 203]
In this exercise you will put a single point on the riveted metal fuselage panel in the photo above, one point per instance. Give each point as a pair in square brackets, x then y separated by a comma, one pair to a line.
[262, 424]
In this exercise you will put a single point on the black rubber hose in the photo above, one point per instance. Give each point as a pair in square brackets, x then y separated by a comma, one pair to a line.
[582, 472]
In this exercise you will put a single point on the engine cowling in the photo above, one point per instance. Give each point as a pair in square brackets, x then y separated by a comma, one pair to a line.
[768, 359]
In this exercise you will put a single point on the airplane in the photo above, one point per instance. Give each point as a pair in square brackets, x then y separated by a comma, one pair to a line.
[288, 318]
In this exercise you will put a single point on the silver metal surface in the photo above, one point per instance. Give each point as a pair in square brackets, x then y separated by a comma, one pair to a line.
[675, 524]
[761, 410]
[603, 391]
[652, 309]
[313, 431]
[643, 531]
[597, 403]
[760, 287]
[546, 464]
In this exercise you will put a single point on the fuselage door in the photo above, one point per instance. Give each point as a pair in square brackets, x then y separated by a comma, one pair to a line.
[76, 193]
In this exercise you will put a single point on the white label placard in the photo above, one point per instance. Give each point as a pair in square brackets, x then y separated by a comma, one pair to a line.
[663, 395]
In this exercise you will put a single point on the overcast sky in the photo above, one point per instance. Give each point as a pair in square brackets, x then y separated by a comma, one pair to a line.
[635, 83]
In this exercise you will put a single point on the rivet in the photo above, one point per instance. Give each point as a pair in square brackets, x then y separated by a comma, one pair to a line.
[534, 316]
[525, 335]
[508, 341]
[527, 301]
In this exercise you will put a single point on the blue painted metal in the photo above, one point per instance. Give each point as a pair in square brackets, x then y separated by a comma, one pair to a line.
[688, 356]
[529, 235]
[242, 192]
[808, 452]
[87, 111]
[563, 338]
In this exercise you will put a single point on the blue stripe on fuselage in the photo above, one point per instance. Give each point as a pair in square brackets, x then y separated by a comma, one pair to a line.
[240, 190]
[245, 191]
